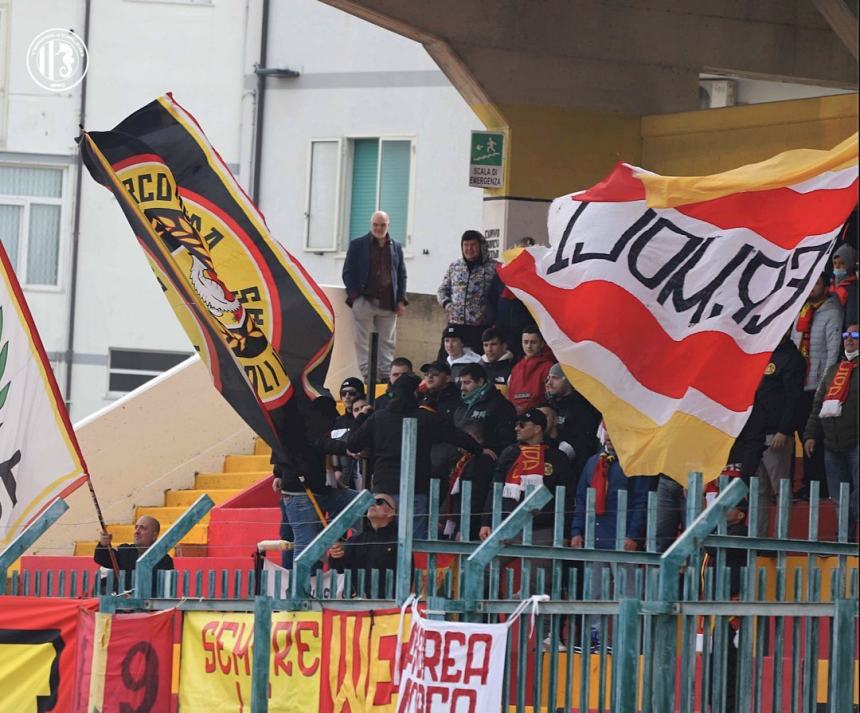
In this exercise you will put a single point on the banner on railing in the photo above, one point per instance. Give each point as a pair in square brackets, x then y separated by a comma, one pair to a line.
[125, 661]
[39, 455]
[38, 644]
[453, 666]
[215, 672]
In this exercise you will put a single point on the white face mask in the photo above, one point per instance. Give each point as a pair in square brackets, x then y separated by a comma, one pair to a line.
[851, 355]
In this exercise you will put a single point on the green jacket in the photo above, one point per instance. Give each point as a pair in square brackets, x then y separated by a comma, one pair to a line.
[840, 434]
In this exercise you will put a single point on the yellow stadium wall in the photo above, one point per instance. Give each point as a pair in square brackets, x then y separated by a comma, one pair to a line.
[553, 151]
[704, 142]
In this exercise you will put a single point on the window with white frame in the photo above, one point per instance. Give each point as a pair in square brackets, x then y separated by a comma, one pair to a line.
[31, 207]
[130, 368]
[350, 179]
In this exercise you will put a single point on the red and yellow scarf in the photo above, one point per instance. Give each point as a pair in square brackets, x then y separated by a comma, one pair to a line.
[600, 481]
[804, 326]
[528, 469]
[837, 392]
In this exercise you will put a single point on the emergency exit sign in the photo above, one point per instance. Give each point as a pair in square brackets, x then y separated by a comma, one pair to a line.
[486, 167]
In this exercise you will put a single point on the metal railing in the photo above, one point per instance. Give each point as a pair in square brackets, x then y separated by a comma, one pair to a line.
[717, 622]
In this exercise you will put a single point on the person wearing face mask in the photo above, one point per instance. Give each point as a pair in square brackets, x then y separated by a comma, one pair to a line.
[833, 422]
[845, 279]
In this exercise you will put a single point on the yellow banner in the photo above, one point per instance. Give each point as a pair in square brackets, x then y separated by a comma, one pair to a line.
[217, 651]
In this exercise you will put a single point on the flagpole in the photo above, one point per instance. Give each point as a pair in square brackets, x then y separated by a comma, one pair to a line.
[314, 502]
[111, 553]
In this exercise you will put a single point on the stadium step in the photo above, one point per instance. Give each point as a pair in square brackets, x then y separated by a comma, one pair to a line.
[166, 515]
[261, 448]
[186, 498]
[239, 473]
[221, 481]
[244, 464]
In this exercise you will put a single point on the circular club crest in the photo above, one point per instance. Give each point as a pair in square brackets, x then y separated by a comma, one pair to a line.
[548, 470]
[770, 369]
[57, 59]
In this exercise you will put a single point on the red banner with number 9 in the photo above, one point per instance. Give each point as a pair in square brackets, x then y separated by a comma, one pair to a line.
[130, 669]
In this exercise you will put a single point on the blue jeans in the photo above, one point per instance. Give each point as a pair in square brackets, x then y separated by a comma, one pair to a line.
[286, 533]
[303, 519]
[842, 467]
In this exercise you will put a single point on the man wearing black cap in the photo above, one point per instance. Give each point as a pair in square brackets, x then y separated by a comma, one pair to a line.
[382, 432]
[528, 462]
[351, 390]
[346, 468]
[440, 393]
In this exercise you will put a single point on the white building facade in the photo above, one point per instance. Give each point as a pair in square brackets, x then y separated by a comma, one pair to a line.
[365, 100]
[369, 123]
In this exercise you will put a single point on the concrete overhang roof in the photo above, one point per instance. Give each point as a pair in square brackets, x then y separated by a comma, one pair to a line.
[634, 57]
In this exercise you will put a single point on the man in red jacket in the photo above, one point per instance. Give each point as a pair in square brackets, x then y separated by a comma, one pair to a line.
[526, 383]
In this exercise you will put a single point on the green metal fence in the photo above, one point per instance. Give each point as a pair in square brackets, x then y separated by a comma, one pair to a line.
[716, 623]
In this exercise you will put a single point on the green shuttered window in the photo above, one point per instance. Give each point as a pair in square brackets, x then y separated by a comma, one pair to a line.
[365, 173]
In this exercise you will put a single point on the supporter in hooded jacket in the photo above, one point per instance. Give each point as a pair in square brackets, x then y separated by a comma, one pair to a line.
[845, 278]
[528, 375]
[497, 359]
[464, 292]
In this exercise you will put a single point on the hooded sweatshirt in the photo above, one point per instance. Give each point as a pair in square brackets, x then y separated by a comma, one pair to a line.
[845, 279]
[466, 286]
[526, 383]
[500, 370]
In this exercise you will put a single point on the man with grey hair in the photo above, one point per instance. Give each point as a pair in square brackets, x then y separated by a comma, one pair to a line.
[374, 275]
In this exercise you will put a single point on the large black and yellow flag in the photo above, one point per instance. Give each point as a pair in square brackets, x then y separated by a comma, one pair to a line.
[263, 327]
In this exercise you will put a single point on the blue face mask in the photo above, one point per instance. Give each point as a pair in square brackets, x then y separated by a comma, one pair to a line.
[839, 273]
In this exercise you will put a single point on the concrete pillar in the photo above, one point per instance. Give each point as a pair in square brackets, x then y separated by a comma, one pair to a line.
[550, 152]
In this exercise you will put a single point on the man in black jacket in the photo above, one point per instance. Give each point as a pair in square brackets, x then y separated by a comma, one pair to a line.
[779, 394]
[482, 402]
[442, 394]
[373, 548]
[578, 420]
[531, 461]
[382, 432]
[146, 531]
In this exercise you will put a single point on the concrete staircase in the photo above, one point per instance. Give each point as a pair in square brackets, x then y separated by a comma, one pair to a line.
[239, 472]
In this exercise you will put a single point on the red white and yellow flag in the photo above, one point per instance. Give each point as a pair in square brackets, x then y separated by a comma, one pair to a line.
[663, 297]
[40, 459]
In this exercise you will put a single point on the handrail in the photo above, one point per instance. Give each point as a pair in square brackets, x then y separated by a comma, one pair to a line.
[28, 536]
[149, 559]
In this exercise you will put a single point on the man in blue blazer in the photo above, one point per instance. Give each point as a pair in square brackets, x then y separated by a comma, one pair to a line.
[374, 275]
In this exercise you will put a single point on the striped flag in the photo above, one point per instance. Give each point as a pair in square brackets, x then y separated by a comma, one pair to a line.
[663, 297]
[260, 323]
[40, 459]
